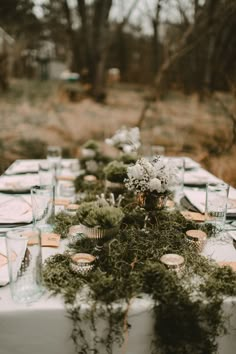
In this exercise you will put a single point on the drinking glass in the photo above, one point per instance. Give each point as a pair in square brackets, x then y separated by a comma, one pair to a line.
[42, 198]
[216, 204]
[158, 150]
[46, 174]
[54, 156]
[67, 189]
[24, 264]
[178, 185]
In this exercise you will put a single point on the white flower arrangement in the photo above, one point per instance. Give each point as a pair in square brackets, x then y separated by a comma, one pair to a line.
[147, 176]
[126, 139]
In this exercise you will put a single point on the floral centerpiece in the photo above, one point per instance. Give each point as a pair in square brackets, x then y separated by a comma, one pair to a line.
[125, 139]
[151, 180]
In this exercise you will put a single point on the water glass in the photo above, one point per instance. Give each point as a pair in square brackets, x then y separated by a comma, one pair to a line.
[42, 199]
[46, 174]
[67, 189]
[158, 150]
[24, 264]
[54, 154]
[216, 204]
[178, 185]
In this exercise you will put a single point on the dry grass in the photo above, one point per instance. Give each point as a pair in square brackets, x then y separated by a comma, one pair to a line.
[35, 114]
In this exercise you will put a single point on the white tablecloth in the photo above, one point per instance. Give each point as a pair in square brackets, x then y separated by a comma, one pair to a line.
[44, 327]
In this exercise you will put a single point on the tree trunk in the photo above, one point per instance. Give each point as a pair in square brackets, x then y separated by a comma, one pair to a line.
[100, 47]
[94, 31]
[86, 40]
[211, 7]
[75, 65]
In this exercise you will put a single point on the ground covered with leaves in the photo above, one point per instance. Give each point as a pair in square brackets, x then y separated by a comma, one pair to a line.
[37, 113]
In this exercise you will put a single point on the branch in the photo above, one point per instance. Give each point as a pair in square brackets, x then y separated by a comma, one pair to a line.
[129, 13]
[182, 12]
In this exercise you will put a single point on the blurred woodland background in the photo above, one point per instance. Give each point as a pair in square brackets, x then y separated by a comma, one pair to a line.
[71, 70]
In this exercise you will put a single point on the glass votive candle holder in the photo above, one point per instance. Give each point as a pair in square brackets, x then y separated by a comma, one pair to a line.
[90, 179]
[82, 262]
[197, 237]
[173, 262]
[71, 209]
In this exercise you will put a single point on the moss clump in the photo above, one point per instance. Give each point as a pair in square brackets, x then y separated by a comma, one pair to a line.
[116, 171]
[91, 144]
[92, 214]
[62, 224]
[129, 158]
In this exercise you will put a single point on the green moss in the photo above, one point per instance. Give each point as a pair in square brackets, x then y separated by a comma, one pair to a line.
[115, 171]
[91, 144]
[92, 214]
[62, 224]
[129, 265]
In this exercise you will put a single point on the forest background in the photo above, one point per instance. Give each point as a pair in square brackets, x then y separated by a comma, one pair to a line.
[72, 70]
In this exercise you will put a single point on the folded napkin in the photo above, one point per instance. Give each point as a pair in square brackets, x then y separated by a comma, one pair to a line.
[190, 164]
[18, 183]
[197, 198]
[199, 177]
[15, 209]
[23, 166]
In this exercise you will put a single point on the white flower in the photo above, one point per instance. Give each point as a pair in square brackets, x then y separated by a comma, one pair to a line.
[155, 185]
[135, 171]
[126, 139]
[155, 175]
[128, 149]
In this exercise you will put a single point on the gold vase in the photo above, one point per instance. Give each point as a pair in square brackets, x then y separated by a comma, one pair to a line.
[152, 200]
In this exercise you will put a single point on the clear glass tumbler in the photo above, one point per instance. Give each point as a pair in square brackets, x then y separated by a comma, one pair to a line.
[158, 150]
[178, 185]
[54, 154]
[46, 174]
[42, 199]
[25, 264]
[216, 204]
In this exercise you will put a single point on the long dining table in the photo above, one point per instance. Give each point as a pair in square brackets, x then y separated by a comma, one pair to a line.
[44, 326]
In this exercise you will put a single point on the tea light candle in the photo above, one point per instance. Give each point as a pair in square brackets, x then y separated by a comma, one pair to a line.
[198, 237]
[173, 261]
[90, 178]
[71, 209]
[82, 262]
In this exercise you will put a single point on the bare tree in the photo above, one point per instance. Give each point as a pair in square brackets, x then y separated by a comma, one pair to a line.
[211, 8]
[95, 37]
[154, 17]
